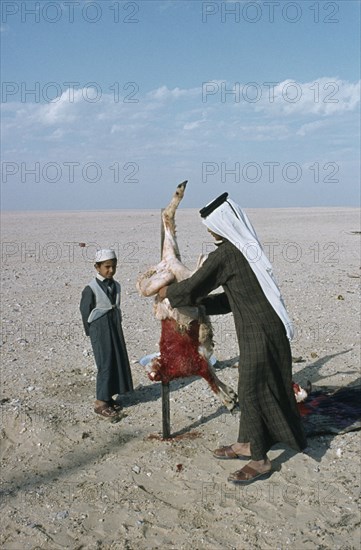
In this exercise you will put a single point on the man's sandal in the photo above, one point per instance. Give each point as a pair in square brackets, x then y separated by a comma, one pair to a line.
[226, 453]
[247, 475]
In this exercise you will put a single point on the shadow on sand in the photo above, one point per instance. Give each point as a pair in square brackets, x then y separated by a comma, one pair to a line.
[327, 412]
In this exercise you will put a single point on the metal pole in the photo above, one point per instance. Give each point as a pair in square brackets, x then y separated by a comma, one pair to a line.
[165, 410]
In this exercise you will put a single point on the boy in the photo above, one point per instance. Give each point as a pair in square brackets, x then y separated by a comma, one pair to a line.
[100, 310]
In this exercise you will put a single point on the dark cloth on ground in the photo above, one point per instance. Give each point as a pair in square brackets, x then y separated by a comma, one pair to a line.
[269, 413]
[108, 343]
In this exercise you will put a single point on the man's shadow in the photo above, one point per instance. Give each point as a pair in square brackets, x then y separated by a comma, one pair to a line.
[153, 392]
[327, 426]
[311, 371]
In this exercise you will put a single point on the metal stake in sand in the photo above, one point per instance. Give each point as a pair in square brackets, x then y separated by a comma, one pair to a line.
[165, 386]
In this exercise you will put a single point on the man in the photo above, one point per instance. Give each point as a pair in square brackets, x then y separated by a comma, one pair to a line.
[268, 407]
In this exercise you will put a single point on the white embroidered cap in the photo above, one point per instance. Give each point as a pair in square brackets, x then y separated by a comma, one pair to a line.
[105, 254]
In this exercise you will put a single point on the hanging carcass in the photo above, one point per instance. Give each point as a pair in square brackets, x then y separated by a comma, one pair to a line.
[186, 343]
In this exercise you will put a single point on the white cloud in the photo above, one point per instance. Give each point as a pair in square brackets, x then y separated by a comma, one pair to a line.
[193, 125]
[63, 110]
[322, 97]
[166, 120]
[311, 127]
[57, 135]
[264, 132]
[164, 93]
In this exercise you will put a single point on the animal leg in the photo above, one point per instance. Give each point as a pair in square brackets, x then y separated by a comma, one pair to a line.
[170, 268]
[227, 396]
[170, 252]
[170, 245]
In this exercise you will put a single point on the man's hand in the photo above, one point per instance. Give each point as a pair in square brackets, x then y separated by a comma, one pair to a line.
[162, 293]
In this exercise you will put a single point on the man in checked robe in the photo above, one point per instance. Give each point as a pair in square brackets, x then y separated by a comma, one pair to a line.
[269, 413]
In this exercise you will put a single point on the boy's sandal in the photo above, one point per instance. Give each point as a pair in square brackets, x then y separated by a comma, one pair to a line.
[116, 406]
[105, 410]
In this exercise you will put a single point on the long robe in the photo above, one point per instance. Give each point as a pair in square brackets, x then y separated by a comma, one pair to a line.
[269, 412]
[110, 351]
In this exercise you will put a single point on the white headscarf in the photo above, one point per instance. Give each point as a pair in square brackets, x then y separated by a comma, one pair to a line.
[231, 222]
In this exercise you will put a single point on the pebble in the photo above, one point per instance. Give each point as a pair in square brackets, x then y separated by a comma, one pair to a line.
[62, 515]
[136, 469]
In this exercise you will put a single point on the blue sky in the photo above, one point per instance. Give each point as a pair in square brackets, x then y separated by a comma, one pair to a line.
[111, 104]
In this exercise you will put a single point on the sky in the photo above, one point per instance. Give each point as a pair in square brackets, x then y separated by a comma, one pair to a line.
[111, 104]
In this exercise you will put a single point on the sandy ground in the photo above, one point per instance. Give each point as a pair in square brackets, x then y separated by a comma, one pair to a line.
[72, 480]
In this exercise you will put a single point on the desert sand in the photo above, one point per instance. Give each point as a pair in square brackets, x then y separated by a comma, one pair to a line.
[73, 480]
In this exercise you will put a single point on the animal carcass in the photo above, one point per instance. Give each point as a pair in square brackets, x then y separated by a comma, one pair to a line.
[186, 343]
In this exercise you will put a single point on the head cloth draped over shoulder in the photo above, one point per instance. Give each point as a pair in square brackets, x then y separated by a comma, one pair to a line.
[104, 255]
[225, 218]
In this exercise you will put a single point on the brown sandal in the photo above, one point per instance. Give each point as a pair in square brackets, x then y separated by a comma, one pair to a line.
[106, 411]
[247, 475]
[226, 453]
[116, 405]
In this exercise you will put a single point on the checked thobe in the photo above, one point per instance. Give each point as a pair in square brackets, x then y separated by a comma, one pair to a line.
[269, 413]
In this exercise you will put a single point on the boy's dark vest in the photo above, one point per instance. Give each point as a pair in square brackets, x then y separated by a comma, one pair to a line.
[102, 302]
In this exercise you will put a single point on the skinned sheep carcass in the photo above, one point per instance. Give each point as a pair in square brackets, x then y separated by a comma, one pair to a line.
[186, 343]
